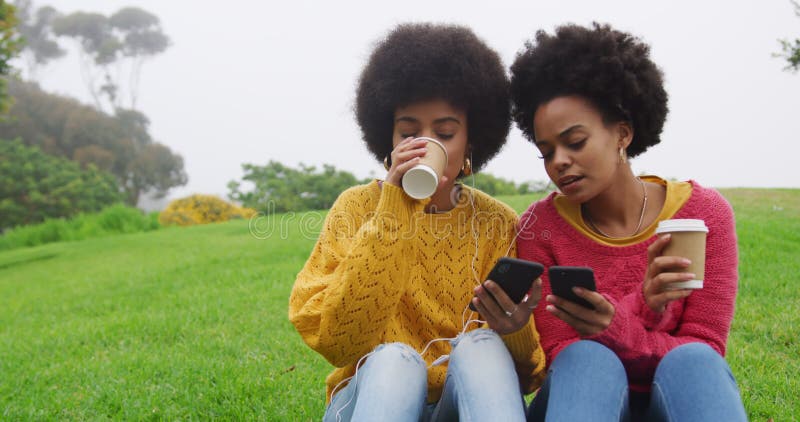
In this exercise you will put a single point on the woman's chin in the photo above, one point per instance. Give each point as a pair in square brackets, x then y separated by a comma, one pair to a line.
[576, 197]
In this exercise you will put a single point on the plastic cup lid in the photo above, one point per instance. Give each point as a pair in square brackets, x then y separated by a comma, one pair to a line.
[420, 182]
[681, 225]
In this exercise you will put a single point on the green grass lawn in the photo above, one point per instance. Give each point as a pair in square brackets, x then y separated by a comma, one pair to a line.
[191, 323]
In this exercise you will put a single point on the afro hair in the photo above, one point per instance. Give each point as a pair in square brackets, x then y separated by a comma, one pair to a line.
[419, 62]
[610, 68]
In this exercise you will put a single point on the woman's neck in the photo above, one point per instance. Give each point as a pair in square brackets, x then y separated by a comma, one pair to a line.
[443, 199]
[618, 211]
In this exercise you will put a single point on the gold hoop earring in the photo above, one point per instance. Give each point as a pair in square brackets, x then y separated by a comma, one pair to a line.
[386, 163]
[622, 156]
[466, 169]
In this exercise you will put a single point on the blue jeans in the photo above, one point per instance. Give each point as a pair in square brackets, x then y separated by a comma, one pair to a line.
[392, 385]
[587, 381]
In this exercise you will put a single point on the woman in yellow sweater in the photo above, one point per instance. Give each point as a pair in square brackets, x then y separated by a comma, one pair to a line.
[383, 296]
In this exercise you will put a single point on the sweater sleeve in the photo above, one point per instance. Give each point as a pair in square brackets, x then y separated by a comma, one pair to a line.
[526, 350]
[528, 356]
[351, 284]
[533, 244]
[641, 339]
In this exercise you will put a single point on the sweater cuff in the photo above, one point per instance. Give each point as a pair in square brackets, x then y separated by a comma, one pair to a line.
[521, 342]
[611, 336]
[650, 318]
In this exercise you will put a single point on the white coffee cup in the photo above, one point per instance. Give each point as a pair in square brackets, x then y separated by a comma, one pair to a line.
[688, 241]
[421, 181]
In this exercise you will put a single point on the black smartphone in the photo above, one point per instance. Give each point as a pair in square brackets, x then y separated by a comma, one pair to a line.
[515, 277]
[563, 279]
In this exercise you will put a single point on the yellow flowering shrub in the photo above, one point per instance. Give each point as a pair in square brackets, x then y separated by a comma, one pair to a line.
[201, 209]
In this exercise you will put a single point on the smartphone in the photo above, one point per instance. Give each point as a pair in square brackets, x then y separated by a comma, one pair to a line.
[563, 279]
[515, 277]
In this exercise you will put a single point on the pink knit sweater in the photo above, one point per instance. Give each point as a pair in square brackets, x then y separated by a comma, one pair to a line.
[639, 336]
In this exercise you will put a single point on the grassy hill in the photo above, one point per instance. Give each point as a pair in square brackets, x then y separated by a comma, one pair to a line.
[191, 323]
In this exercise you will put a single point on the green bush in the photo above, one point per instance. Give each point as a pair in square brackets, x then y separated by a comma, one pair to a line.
[117, 219]
[35, 186]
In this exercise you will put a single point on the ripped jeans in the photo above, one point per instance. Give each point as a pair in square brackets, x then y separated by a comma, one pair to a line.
[392, 385]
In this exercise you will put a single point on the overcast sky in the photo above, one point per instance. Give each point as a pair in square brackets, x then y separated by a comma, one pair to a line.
[252, 81]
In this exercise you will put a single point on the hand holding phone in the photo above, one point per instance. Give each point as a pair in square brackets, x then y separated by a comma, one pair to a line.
[563, 279]
[514, 276]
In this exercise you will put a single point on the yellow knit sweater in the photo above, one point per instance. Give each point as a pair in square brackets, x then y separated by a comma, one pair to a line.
[385, 271]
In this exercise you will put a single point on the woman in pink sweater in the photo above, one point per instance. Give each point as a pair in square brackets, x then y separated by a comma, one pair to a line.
[590, 99]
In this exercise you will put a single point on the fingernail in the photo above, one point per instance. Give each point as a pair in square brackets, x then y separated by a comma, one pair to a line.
[686, 261]
[550, 308]
[551, 298]
[690, 276]
[577, 289]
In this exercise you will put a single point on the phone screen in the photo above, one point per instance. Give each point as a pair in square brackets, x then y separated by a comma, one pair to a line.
[515, 277]
[563, 279]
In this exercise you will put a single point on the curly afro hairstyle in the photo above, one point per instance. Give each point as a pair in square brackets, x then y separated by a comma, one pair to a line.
[419, 62]
[610, 68]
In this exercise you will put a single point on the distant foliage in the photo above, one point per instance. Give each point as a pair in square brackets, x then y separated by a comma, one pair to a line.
[112, 49]
[280, 188]
[119, 144]
[201, 209]
[494, 185]
[39, 44]
[9, 46]
[35, 186]
[117, 219]
[790, 49]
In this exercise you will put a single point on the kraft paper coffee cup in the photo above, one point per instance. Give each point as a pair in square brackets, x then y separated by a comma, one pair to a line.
[421, 180]
[688, 241]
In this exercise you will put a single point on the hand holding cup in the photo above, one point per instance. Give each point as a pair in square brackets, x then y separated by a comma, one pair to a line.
[675, 262]
[405, 156]
[418, 166]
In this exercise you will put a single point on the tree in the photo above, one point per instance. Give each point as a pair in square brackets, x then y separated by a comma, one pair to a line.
[120, 144]
[155, 169]
[97, 46]
[280, 188]
[143, 39]
[492, 185]
[534, 186]
[9, 46]
[129, 36]
[791, 49]
[39, 45]
[35, 186]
